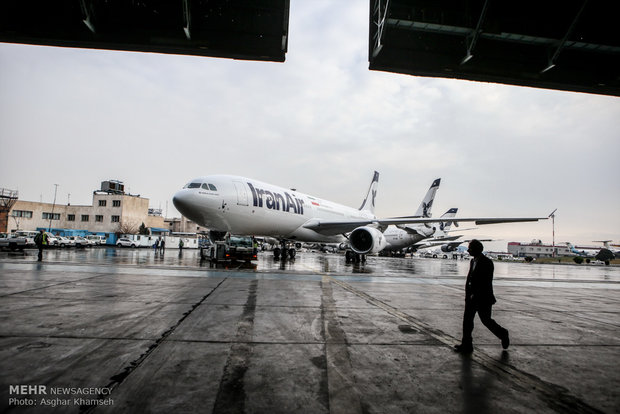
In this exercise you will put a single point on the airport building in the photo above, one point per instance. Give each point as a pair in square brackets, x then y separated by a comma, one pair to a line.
[112, 212]
[537, 249]
[184, 225]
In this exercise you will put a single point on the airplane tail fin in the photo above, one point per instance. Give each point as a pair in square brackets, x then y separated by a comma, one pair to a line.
[445, 226]
[369, 202]
[425, 207]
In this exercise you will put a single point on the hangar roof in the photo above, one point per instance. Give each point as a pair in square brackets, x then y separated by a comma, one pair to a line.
[569, 45]
[239, 29]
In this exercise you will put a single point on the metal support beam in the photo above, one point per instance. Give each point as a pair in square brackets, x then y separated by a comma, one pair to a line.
[473, 37]
[562, 43]
[87, 14]
[380, 13]
[187, 19]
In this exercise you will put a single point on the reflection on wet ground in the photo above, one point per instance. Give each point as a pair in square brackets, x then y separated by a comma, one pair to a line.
[376, 269]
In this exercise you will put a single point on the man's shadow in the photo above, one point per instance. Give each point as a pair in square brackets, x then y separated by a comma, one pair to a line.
[477, 383]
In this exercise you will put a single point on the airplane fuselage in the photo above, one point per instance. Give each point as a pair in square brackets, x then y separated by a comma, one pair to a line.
[241, 205]
[399, 239]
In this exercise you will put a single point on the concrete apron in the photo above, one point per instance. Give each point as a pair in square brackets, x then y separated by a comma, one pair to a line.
[248, 342]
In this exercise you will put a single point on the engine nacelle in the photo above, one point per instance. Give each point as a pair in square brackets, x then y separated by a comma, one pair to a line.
[366, 240]
[448, 248]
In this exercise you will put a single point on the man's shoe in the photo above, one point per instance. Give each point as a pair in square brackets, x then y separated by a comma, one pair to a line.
[464, 349]
[506, 341]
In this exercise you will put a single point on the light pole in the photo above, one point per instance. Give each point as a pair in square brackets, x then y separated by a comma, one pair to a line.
[552, 215]
[53, 205]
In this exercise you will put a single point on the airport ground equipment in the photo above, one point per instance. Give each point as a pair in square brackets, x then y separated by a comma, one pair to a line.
[240, 248]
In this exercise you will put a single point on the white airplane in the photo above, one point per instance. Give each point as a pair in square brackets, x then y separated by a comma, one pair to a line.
[239, 205]
[614, 248]
[448, 246]
[401, 236]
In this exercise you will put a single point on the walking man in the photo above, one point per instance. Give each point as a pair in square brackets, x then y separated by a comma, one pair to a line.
[479, 298]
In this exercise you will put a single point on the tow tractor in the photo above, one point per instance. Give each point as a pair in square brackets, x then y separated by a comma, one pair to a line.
[241, 248]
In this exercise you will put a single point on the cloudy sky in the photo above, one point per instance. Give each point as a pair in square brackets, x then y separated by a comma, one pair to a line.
[321, 122]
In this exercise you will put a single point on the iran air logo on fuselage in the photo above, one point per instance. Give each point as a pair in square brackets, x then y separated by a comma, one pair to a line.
[276, 201]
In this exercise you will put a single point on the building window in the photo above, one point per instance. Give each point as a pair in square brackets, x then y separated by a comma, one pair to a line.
[70, 217]
[102, 203]
[99, 218]
[51, 216]
[116, 203]
[84, 217]
[116, 219]
[22, 213]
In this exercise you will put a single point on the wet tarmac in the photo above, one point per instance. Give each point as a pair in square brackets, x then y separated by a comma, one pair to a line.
[131, 330]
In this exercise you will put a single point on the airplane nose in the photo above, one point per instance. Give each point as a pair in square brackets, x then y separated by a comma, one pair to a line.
[181, 200]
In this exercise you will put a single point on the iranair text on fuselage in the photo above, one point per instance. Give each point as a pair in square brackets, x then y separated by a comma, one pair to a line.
[273, 200]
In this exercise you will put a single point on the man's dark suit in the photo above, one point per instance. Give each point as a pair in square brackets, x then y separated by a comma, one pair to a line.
[479, 298]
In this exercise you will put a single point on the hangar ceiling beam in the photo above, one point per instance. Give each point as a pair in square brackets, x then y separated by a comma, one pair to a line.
[555, 55]
[235, 29]
[473, 37]
[513, 42]
[379, 15]
[187, 19]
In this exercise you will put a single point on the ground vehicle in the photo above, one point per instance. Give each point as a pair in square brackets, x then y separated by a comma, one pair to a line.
[64, 242]
[12, 241]
[79, 241]
[51, 239]
[240, 248]
[125, 242]
[96, 239]
[28, 234]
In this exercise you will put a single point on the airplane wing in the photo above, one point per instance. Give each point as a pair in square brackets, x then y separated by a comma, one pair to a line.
[334, 227]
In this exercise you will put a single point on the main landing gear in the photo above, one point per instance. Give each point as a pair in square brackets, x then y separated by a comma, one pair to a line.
[352, 257]
[285, 250]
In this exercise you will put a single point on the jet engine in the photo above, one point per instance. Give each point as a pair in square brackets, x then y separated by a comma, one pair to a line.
[448, 248]
[366, 240]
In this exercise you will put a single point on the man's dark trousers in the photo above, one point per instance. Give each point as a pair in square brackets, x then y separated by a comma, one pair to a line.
[484, 311]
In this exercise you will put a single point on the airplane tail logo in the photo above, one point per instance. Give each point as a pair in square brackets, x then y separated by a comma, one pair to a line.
[369, 202]
[445, 225]
[427, 203]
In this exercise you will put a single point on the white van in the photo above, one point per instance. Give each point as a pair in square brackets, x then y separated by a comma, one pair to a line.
[96, 239]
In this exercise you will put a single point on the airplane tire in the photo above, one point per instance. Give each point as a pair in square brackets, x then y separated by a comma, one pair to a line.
[291, 253]
[276, 253]
[348, 256]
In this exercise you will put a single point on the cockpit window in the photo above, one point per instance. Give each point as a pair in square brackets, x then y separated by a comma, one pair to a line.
[193, 185]
[208, 187]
